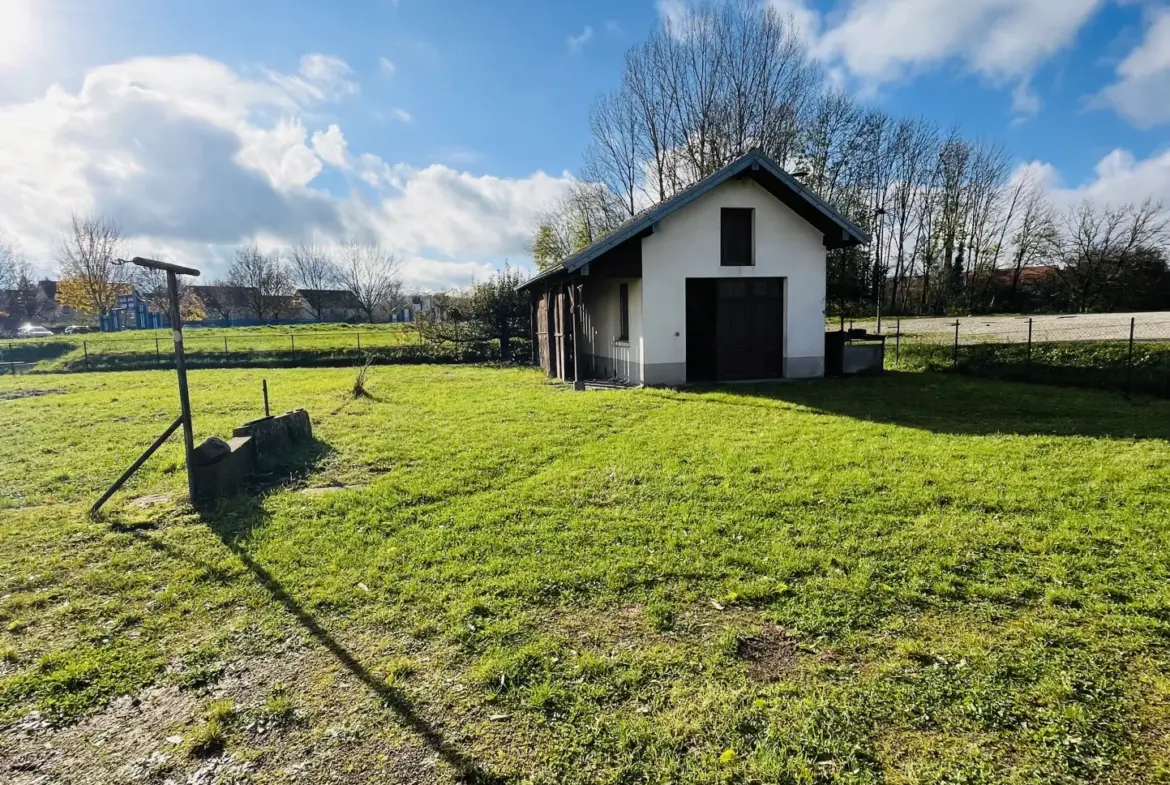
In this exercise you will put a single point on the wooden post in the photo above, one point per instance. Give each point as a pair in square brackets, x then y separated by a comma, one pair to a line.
[574, 314]
[181, 372]
[1129, 360]
[225, 349]
[85, 348]
[1028, 364]
[292, 342]
[264, 387]
[898, 344]
[359, 339]
[956, 357]
[157, 352]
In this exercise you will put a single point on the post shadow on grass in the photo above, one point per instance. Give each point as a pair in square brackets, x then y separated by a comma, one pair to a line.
[233, 519]
[954, 404]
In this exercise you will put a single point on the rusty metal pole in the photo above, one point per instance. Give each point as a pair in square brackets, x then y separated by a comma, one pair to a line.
[181, 372]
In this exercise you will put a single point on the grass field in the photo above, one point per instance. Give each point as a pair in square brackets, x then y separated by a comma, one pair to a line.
[329, 344]
[480, 575]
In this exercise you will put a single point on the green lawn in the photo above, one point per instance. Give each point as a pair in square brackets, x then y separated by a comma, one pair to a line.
[139, 349]
[917, 578]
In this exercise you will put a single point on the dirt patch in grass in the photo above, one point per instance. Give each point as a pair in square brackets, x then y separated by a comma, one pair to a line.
[771, 655]
[12, 395]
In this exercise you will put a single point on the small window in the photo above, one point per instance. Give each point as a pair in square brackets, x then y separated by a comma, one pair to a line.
[624, 311]
[736, 237]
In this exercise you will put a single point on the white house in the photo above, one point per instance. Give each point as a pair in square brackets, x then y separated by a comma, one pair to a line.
[724, 281]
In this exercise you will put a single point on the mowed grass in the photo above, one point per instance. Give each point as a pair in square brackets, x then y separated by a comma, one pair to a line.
[141, 349]
[916, 578]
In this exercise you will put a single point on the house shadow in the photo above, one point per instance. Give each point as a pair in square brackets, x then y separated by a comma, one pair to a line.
[232, 521]
[954, 404]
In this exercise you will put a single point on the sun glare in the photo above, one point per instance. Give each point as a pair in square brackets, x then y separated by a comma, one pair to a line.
[16, 32]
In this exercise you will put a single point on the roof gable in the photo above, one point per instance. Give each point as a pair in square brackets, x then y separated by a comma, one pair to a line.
[838, 231]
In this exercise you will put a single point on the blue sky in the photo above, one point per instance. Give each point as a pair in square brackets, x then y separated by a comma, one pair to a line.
[444, 126]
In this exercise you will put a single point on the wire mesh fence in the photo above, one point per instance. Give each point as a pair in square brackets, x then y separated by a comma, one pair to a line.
[1125, 352]
[226, 348]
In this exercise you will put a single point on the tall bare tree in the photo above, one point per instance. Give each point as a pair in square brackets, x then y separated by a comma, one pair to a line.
[263, 283]
[314, 270]
[86, 257]
[1098, 244]
[372, 274]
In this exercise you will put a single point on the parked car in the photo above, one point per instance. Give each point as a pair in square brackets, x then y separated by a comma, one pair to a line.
[77, 329]
[33, 331]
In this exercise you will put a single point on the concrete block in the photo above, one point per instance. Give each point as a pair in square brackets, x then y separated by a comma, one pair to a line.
[274, 437]
[228, 472]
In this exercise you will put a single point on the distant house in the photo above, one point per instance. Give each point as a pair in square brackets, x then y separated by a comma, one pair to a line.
[724, 281]
[328, 305]
[225, 304]
[35, 305]
[133, 312]
[419, 305]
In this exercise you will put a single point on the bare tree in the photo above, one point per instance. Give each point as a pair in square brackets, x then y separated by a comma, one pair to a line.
[372, 274]
[1034, 234]
[21, 298]
[1097, 245]
[221, 298]
[263, 281]
[315, 272]
[87, 258]
[613, 158]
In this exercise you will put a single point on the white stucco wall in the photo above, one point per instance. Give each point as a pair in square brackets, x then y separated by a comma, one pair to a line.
[601, 323]
[686, 245]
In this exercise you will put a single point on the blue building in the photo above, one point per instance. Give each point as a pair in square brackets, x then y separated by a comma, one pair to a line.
[132, 313]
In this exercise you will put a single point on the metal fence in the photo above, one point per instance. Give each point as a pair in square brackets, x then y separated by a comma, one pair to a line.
[1125, 352]
[244, 348]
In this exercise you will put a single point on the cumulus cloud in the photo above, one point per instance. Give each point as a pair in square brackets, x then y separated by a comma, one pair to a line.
[1141, 93]
[387, 66]
[885, 40]
[875, 42]
[192, 158]
[1118, 178]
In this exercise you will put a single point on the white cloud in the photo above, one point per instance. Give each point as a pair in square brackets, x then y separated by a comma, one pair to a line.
[1141, 93]
[577, 42]
[331, 147]
[192, 158]
[387, 66]
[870, 43]
[321, 78]
[403, 115]
[613, 27]
[1118, 178]
[805, 21]
[887, 40]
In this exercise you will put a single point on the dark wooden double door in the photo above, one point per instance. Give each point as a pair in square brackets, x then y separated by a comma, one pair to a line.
[735, 329]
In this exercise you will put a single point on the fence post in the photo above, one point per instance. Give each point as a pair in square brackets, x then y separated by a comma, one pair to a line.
[1129, 360]
[1028, 364]
[359, 337]
[85, 348]
[292, 342]
[956, 355]
[225, 349]
[898, 343]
